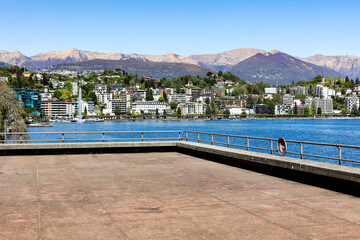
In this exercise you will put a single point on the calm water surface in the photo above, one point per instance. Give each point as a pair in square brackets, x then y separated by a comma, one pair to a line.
[341, 131]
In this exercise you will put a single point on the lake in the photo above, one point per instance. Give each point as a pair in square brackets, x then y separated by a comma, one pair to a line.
[339, 131]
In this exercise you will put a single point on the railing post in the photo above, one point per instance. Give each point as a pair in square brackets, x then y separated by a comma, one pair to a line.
[228, 141]
[63, 137]
[301, 151]
[103, 136]
[212, 139]
[179, 136]
[271, 146]
[142, 136]
[340, 163]
[198, 137]
[247, 144]
[186, 135]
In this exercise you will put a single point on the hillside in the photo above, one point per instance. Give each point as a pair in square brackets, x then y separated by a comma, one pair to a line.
[277, 67]
[154, 69]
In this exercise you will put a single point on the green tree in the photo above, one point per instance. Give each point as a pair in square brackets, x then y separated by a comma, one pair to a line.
[57, 94]
[164, 113]
[178, 112]
[226, 113]
[295, 109]
[161, 99]
[157, 112]
[319, 111]
[117, 110]
[307, 110]
[149, 95]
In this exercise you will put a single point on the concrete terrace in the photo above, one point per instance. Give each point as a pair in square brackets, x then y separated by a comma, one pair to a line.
[162, 195]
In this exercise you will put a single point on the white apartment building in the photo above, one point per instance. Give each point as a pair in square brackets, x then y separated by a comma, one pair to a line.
[103, 97]
[149, 107]
[324, 91]
[270, 90]
[179, 98]
[234, 110]
[351, 102]
[288, 99]
[192, 108]
[326, 104]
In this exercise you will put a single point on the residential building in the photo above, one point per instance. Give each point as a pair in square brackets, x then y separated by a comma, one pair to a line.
[192, 108]
[118, 103]
[30, 97]
[281, 109]
[326, 104]
[351, 102]
[288, 99]
[299, 90]
[179, 98]
[234, 110]
[149, 107]
[58, 108]
[270, 90]
[261, 108]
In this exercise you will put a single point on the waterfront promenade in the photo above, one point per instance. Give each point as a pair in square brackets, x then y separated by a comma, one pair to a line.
[162, 195]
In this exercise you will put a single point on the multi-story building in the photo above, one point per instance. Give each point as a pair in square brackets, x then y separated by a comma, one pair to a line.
[234, 110]
[299, 90]
[140, 95]
[192, 108]
[351, 102]
[326, 104]
[30, 97]
[179, 98]
[149, 107]
[321, 91]
[288, 99]
[118, 103]
[281, 109]
[103, 97]
[270, 90]
[58, 108]
[260, 108]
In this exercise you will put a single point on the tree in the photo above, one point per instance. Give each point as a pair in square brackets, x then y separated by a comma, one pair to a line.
[178, 112]
[220, 73]
[149, 95]
[10, 111]
[295, 109]
[243, 114]
[30, 110]
[157, 112]
[307, 110]
[117, 110]
[164, 113]
[161, 99]
[357, 81]
[165, 96]
[57, 94]
[319, 111]
[226, 112]
[207, 100]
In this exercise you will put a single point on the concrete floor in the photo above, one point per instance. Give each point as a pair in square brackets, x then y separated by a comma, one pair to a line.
[162, 196]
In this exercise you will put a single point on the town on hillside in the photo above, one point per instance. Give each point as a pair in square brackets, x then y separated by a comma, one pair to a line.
[118, 94]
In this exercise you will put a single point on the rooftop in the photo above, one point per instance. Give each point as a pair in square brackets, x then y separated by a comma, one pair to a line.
[162, 196]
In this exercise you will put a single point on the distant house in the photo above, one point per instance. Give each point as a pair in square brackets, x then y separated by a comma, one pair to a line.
[26, 74]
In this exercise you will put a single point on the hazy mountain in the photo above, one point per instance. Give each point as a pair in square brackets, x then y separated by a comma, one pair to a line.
[345, 65]
[13, 58]
[224, 60]
[277, 67]
[154, 69]
[218, 61]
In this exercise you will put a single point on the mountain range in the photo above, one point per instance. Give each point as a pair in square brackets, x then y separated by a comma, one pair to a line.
[277, 63]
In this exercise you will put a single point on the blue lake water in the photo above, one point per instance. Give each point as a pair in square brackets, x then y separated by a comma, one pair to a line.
[339, 131]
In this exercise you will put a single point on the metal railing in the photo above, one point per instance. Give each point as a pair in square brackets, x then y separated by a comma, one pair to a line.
[112, 136]
[271, 149]
[19, 137]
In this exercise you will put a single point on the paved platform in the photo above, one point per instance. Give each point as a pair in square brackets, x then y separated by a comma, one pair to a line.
[162, 196]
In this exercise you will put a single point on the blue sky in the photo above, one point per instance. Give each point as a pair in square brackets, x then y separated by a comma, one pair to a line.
[298, 27]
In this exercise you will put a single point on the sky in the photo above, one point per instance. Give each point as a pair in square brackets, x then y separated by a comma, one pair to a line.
[297, 27]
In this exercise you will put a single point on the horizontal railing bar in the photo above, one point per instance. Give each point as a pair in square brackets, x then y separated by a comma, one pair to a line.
[30, 133]
[273, 139]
